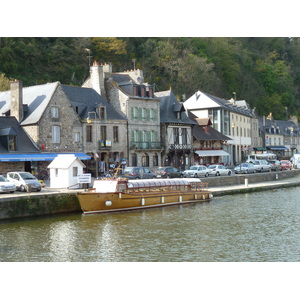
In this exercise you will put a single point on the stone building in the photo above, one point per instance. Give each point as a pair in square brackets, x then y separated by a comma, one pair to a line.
[45, 113]
[135, 101]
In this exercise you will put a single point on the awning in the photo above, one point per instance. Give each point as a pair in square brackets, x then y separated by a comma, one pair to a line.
[212, 153]
[259, 148]
[277, 148]
[38, 156]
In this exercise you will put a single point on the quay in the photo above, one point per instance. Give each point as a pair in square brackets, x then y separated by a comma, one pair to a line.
[55, 201]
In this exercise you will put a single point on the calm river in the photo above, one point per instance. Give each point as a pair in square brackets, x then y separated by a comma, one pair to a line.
[256, 227]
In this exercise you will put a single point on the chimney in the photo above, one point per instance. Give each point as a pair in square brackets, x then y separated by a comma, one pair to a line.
[98, 74]
[16, 100]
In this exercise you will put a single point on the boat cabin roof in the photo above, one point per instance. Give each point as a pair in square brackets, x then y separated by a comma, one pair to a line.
[161, 182]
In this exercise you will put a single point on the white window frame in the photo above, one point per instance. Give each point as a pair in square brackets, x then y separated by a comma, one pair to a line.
[55, 134]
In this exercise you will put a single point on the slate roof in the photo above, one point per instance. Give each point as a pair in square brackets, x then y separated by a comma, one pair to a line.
[211, 134]
[87, 99]
[282, 125]
[169, 107]
[11, 126]
[35, 100]
[240, 106]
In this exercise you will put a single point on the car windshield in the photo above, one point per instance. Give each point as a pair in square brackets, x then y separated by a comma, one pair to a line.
[161, 169]
[244, 165]
[212, 167]
[3, 178]
[193, 168]
[27, 176]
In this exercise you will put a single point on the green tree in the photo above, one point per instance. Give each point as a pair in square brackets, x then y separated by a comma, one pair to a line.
[4, 83]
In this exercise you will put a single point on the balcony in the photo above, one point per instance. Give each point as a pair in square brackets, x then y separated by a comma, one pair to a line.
[180, 147]
[146, 145]
[104, 145]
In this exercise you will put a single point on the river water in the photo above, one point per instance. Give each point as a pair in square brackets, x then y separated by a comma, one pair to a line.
[255, 227]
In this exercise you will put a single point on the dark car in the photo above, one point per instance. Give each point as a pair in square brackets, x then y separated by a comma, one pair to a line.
[168, 172]
[138, 173]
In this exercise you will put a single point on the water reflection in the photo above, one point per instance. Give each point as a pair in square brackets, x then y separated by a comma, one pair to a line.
[252, 227]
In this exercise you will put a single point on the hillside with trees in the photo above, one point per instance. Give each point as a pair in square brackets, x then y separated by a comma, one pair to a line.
[263, 71]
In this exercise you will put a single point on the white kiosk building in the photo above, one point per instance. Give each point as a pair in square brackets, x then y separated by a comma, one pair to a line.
[64, 170]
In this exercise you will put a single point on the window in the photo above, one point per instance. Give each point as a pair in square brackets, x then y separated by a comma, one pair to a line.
[75, 171]
[152, 114]
[103, 133]
[54, 112]
[56, 172]
[76, 137]
[134, 160]
[55, 134]
[155, 160]
[116, 133]
[12, 143]
[184, 136]
[88, 134]
[144, 114]
[176, 135]
[102, 113]
[134, 113]
[145, 160]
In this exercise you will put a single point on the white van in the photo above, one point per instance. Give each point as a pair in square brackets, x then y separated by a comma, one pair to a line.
[24, 181]
[295, 160]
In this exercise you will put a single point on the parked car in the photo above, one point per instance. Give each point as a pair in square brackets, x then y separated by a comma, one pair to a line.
[23, 180]
[196, 171]
[168, 172]
[6, 186]
[275, 165]
[286, 165]
[138, 173]
[218, 170]
[245, 168]
[261, 165]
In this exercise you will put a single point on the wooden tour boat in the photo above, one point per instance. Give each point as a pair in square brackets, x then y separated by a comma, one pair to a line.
[110, 195]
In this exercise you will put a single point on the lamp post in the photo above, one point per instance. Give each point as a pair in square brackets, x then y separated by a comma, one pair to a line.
[89, 121]
[240, 145]
[292, 131]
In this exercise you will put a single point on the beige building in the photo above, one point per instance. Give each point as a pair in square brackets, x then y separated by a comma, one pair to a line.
[231, 118]
[135, 101]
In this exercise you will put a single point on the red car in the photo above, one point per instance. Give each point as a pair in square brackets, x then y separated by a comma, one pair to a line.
[286, 165]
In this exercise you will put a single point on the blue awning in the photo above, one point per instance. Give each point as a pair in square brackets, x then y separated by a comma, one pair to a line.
[277, 148]
[38, 156]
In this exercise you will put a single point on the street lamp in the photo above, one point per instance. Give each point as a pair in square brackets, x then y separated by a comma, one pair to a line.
[89, 121]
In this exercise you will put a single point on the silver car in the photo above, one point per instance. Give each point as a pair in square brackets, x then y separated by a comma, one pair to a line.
[24, 181]
[196, 171]
[244, 168]
[6, 186]
[218, 170]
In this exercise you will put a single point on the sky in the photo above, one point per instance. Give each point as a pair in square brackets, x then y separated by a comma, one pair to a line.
[152, 18]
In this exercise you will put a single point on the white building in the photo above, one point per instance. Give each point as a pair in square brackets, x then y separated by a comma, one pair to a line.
[230, 117]
[64, 170]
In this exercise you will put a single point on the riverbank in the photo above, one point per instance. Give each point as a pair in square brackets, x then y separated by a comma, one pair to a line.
[54, 201]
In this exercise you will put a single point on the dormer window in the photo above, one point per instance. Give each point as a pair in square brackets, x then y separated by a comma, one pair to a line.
[12, 143]
[101, 112]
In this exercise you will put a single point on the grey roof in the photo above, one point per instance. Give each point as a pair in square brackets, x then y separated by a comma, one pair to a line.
[10, 126]
[211, 134]
[169, 107]
[282, 125]
[35, 99]
[87, 100]
[240, 106]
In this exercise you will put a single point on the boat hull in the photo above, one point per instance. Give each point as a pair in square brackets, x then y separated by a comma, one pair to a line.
[92, 202]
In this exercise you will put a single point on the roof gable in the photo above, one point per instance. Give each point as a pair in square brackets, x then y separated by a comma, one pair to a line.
[170, 107]
[64, 161]
[35, 98]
